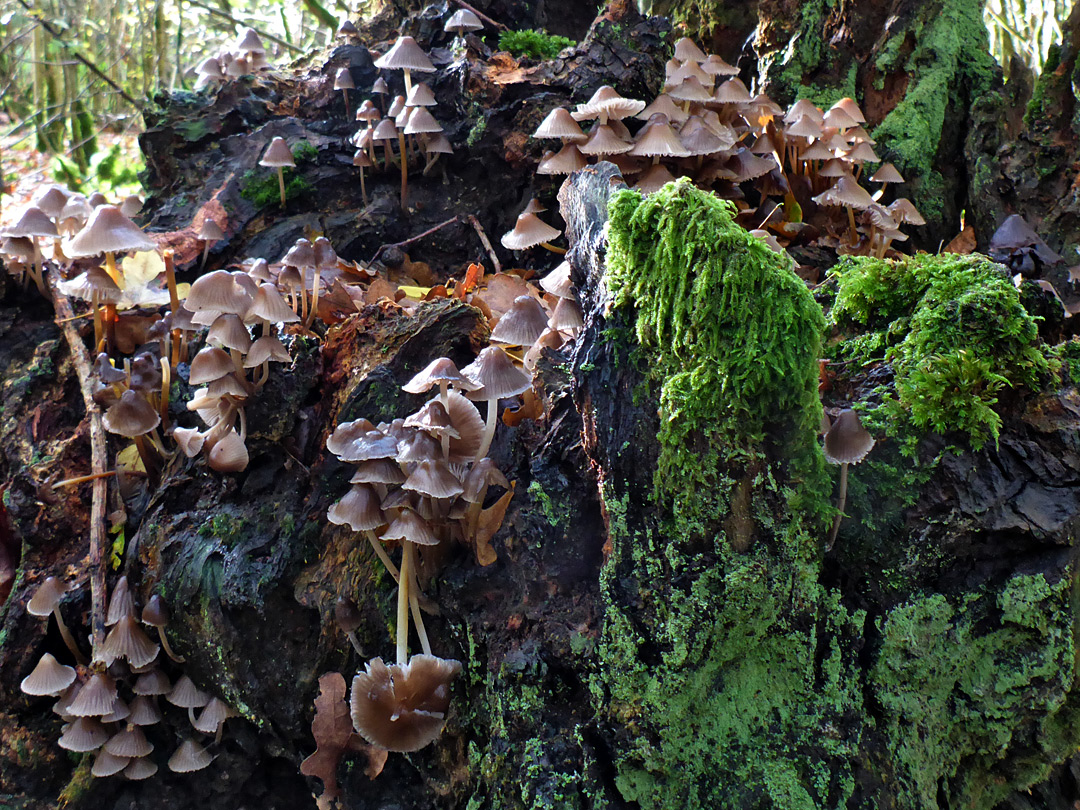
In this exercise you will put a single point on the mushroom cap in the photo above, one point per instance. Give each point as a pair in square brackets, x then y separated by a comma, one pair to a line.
[143, 712]
[698, 138]
[690, 89]
[528, 232]
[886, 173]
[370, 444]
[846, 191]
[733, 91]
[96, 698]
[108, 231]
[268, 305]
[385, 130]
[558, 281]
[862, 152]
[46, 597]
[52, 200]
[267, 349]
[804, 127]
[469, 425]
[652, 180]
[140, 768]
[522, 324]
[420, 96]
[130, 743]
[33, 222]
[463, 20]
[127, 640]
[434, 479]
[603, 141]
[84, 734]
[405, 55]
[229, 332]
[186, 695]
[154, 682]
[106, 764]
[402, 707]
[210, 67]
[217, 292]
[566, 161]
[131, 416]
[607, 101]
[348, 29]
[804, 107]
[904, 211]
[359, 509]
[121, 602]
[839, 118]
[422, 121]
[851, 109]
[249, 41]
[190, 756]
[380, 87]
[211, 363]
[567, 315]
[686, 49]
[229, 454]
[411, 527]
[438, 144]
[49, 677]
[847, 441]
[658, 139]
[277, 154]
[560, 124]
[212, 716]
[343, 80]
[496, 372]
[663, 104]
[210, 231]
[716, 66]
[482, 474]
[378, 471]
[434, 419]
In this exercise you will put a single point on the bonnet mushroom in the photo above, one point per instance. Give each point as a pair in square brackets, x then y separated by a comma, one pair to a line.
[847, 442]
[278, 156]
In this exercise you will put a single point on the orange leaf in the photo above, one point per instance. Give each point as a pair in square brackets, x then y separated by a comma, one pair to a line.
[963, 243]
[489, 522]
[472, 277]
[332, 729]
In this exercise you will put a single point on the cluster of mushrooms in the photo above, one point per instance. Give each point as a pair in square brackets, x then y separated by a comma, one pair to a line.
[420, 482]
[245, 57]
[707, 126]
[404, 120]
[109, 703]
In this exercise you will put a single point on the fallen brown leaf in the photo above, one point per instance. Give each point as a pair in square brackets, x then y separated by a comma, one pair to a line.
[332, 729]
[963, 243]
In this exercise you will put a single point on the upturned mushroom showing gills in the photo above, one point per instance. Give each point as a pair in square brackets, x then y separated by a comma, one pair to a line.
[402, 707]
[46, 601]
[278, 156]
[847, 442]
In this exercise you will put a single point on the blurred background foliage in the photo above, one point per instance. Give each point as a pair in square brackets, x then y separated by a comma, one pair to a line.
[76, 74]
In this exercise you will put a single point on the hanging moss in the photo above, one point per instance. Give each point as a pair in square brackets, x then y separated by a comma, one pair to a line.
[954, 329]
[732, 336]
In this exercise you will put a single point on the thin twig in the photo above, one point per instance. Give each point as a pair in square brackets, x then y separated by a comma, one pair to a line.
[482, 15]
[487, 245]
[416, 238]
[80, 358]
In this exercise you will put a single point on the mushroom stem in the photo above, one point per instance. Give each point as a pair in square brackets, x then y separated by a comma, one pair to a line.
[165, 646]
[489, 429]
[166, 382]
[444, 398]
[851, 224]
[840, 508]
[66, 635]
[363, 188]
[148, 459]
[380, 552]
[99, 324]
[472, 514]
[314, 300]
[404, 165]
[552, 248]
[348, 113]
[414, 605]
[110, 309]
[408, 82]
[37, 269]
[403, 604]
[281, 184]
[355, 642]
[206, 252]
[170, 280]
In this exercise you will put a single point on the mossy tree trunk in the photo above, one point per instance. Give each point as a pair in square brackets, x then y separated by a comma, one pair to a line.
[916, 67]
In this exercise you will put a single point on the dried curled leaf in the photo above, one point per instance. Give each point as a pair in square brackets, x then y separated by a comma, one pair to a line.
[490, 521]
[332, 729]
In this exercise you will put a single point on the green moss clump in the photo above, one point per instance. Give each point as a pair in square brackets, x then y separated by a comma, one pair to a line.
[260, 187]
[533, 43]
[304, 152]
[954, 329]
[732, 336]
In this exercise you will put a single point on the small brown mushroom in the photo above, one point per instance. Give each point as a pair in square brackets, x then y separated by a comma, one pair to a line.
[278, 156]
[45, 601]
[156, 614]
[847, 442]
